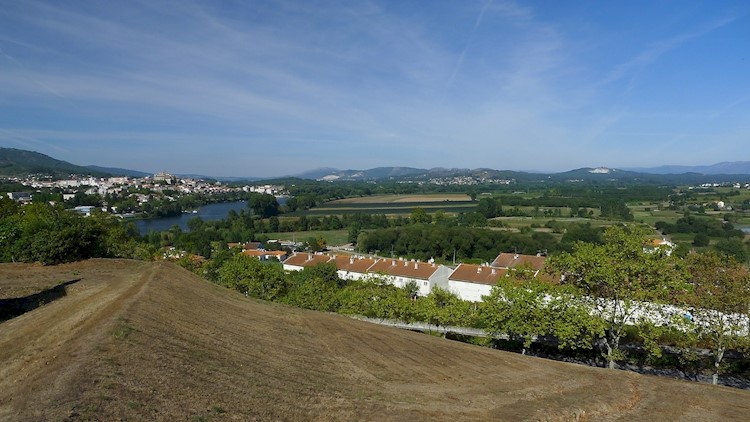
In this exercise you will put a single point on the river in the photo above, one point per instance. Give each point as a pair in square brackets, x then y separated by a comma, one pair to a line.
[209, 212]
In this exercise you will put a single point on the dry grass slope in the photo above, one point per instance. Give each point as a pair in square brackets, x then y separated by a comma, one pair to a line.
[150, 341]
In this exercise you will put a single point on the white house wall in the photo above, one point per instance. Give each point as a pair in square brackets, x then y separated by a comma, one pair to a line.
[469, 291]
[289, 267]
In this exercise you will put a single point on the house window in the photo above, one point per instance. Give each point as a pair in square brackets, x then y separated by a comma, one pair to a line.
[425, 283]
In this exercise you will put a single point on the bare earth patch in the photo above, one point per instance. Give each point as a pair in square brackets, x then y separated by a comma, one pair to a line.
[150, 341]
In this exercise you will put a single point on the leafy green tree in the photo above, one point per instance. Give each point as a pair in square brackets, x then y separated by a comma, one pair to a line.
[443, 308]
[701, 239]
[353, 233]
[733, 247]
[8, 207]
[420, 216]
[529, 309]
[374, 297]
[325, 271]
[619, 280]
[273, 224]
[263, 204]
[513, 310]
[313, 292]
[719, 300]
[250, 276]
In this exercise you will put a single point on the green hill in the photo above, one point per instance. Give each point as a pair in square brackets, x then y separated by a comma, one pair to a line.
[18, 162]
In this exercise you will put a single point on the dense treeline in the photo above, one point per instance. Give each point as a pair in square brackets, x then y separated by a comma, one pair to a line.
[440, 242]
[51, 235]
[507, 205]
[700, 224]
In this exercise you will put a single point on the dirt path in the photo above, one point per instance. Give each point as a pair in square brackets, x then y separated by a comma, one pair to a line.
[43, 349]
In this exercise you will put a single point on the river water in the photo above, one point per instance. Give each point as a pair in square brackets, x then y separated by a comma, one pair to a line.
[210, 212]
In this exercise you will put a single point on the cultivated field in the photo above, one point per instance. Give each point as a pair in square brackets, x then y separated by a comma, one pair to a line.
[451, 203]
[395, 199]
[332, 237]
[150, 341]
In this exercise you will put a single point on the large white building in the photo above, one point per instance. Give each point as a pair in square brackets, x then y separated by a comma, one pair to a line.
[468, 282]
[401, 273]
[471, 282]
[398, 272]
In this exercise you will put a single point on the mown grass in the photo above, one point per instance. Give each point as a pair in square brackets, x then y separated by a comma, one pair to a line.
[123, 329]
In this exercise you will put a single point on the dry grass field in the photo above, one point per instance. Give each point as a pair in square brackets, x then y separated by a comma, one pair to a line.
[150, 341]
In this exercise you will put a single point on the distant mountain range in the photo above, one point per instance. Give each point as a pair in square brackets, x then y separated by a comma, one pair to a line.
[583, 174]
[729, 167]
[16, 162]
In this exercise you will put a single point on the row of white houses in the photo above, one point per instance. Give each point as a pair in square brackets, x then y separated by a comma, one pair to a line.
[471, 282]
[467, 281]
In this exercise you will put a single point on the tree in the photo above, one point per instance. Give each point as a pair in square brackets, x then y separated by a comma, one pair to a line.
[263, 204]
[529, 309]
[619, 280]
[734, 248]
[250, 276]
[419, 215]
[443, 308]
[374, 297]
[513, 310]
[719, 300]
[701, 239]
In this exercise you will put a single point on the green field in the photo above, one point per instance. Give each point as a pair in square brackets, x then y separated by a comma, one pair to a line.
[332, 237]
[394, 205]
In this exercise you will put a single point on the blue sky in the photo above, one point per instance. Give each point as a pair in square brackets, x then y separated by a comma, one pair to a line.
[270, 88]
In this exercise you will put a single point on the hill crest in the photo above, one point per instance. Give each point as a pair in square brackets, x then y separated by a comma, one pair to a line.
[138, 341]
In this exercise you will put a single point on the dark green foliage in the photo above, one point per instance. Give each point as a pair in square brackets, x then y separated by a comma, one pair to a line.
[440, 242]
[733, 248]
[701, 239]
[313, 292]
[700, 224]
[615, 208]
[581, 233]
[263, 204]
[254, 278]
[374, 298]
[51, 235]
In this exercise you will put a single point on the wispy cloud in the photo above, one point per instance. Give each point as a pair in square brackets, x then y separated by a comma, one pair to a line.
[320, 83]
[657, 49]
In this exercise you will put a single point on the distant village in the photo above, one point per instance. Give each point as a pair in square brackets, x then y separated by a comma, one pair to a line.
[141, 189]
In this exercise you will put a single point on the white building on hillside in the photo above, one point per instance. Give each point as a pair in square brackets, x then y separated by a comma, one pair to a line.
[471, 282]
[400, 273]
[299, 261]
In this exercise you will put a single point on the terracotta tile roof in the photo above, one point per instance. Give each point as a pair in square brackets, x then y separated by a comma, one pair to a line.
[306, 259]
[353, 263]
[509, 260]
[479, 274]
[395, 267]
